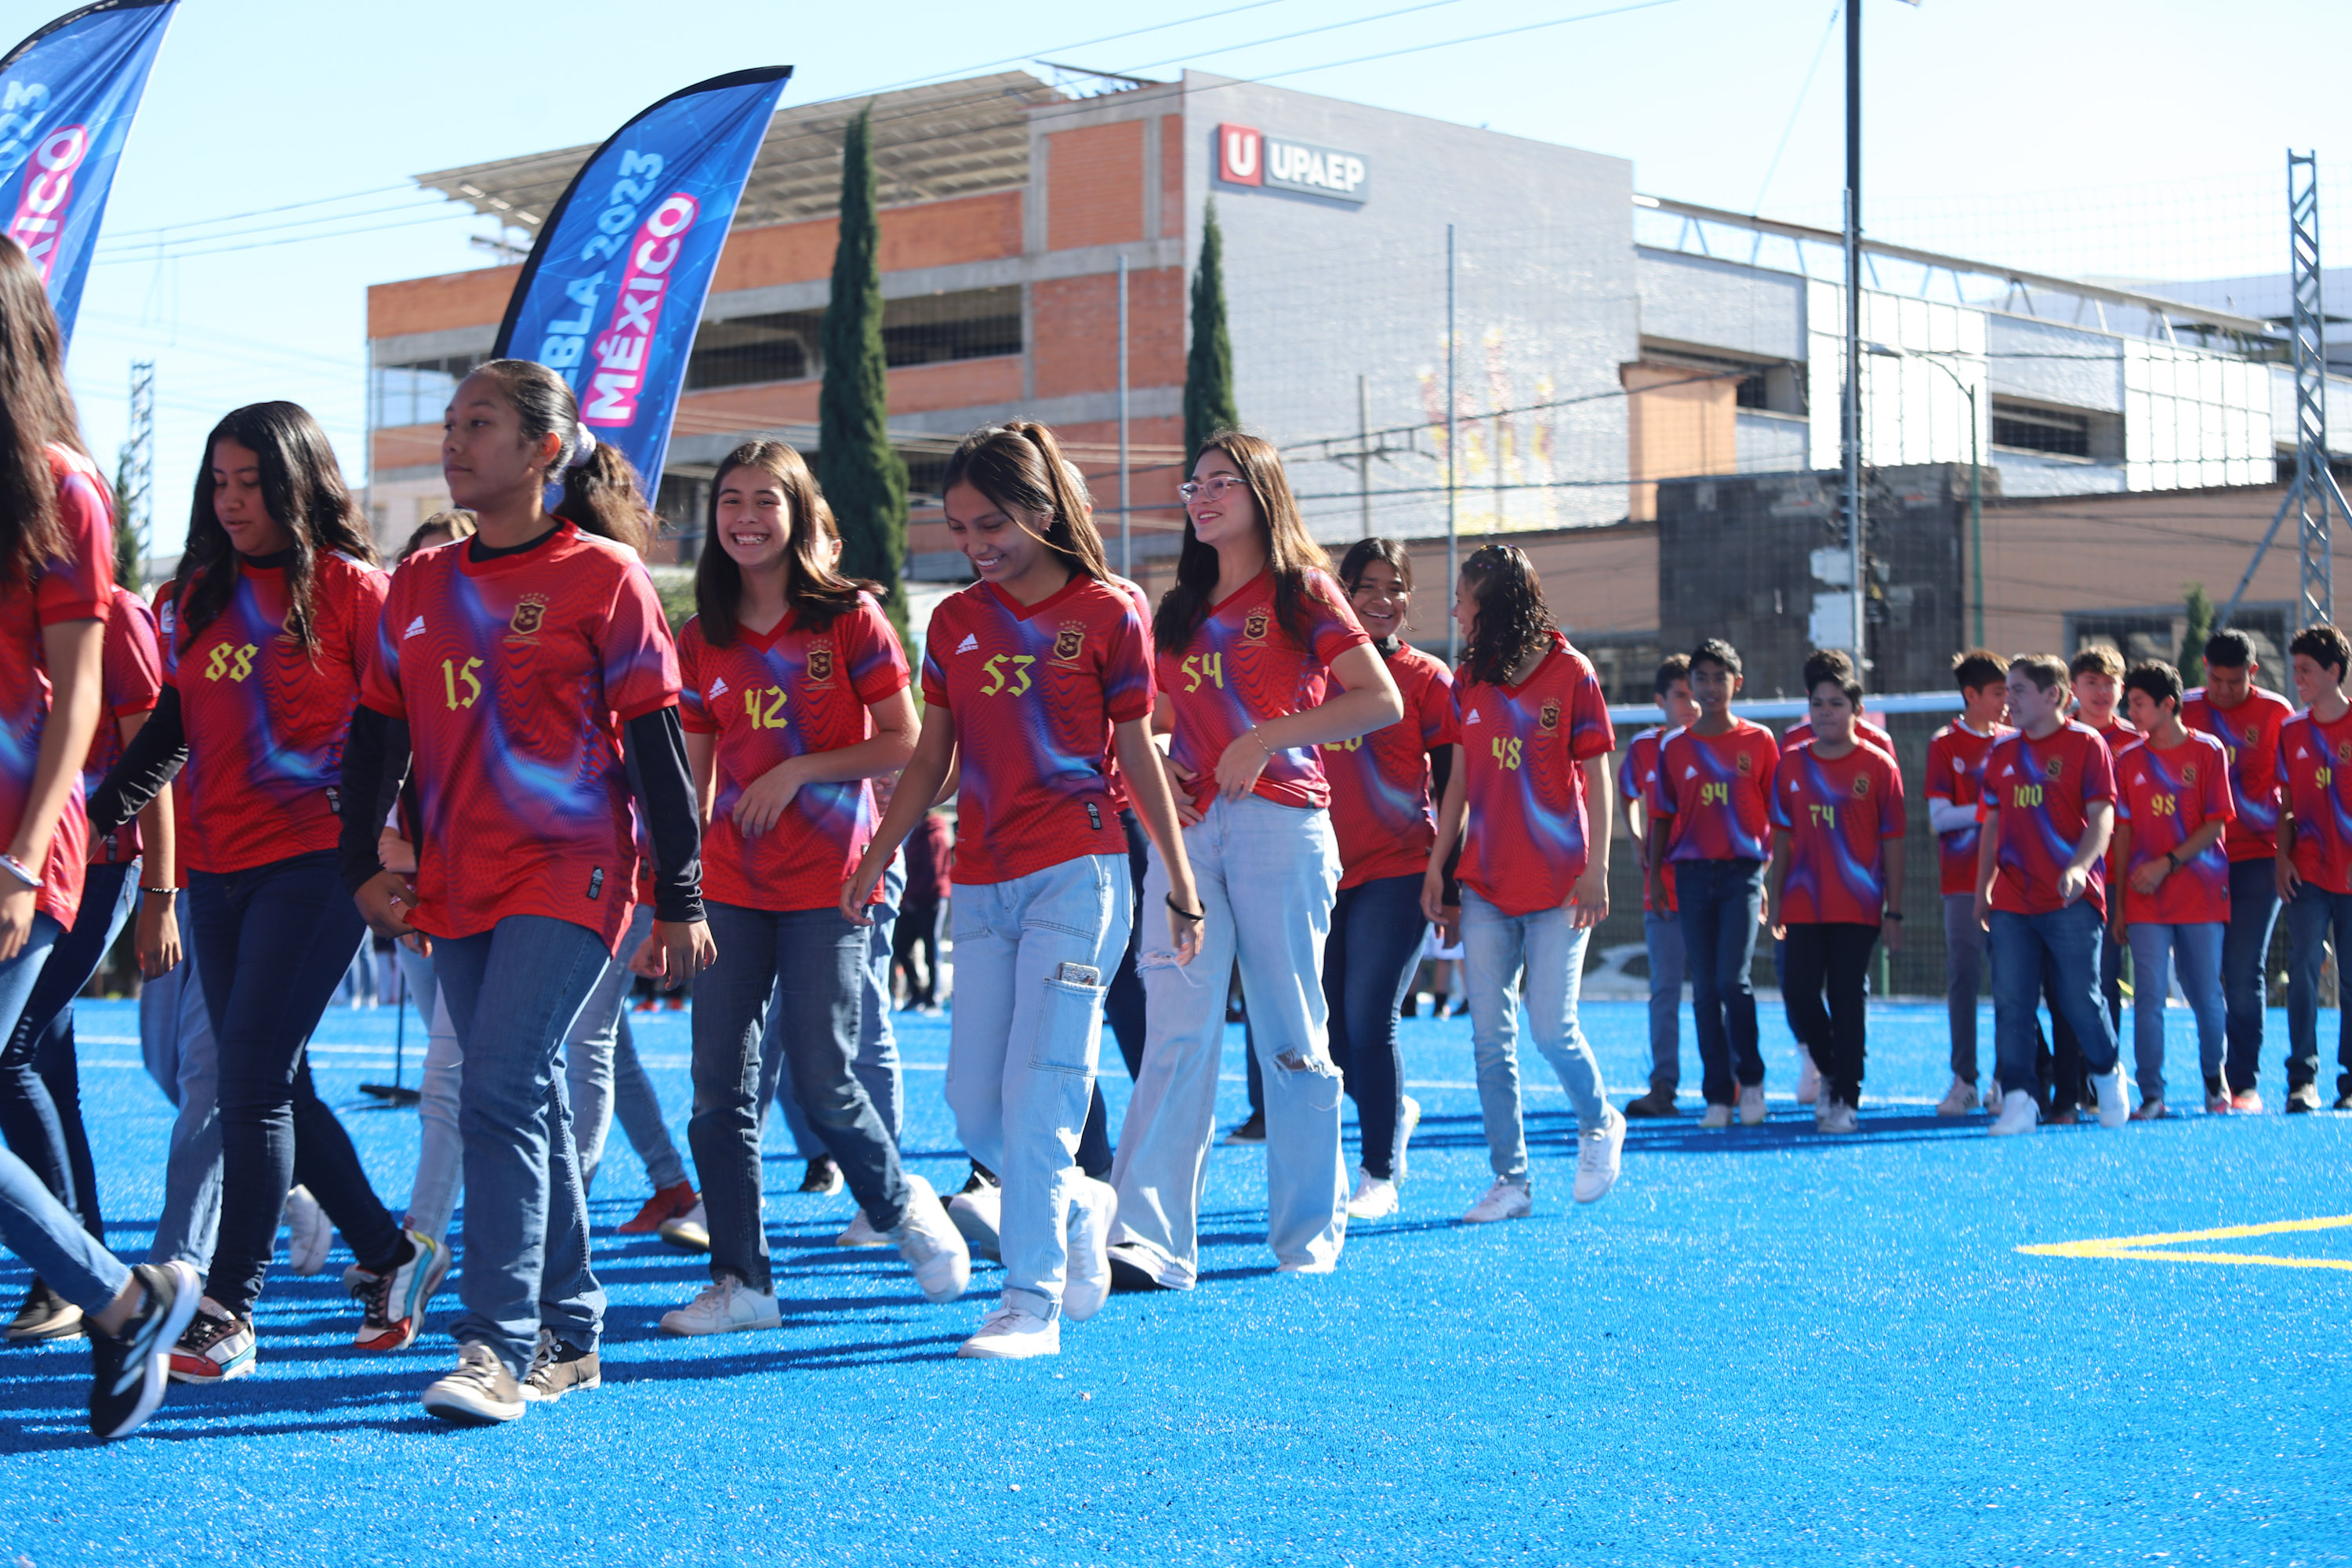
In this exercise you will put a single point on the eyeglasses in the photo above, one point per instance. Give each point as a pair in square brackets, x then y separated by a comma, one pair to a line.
[1214, 488]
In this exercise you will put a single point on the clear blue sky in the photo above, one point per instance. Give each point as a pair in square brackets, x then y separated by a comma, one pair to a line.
[2147, 139]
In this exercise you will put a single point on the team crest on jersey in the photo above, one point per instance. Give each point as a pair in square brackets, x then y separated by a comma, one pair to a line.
[2054, 767]
[1253, 627]
[1069, 640]
[528, 614]
[2344, 750]
[1861, 786]
[1746, 764]
[820, 662]
[1550, 718]
[2189, 774]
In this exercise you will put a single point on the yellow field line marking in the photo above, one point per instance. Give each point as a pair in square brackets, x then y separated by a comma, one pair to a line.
[2138, 1246]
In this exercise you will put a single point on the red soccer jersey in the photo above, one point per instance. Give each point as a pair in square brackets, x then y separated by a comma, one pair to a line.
[266, 719]
[1240, 668]
[78, 587]
[1526, 841]
[1032, 689]
[2165, 796]
[1955, 760]
[133, 680]
[769, 699]
[1838, 814]
[2315, 771]
[2249, 735]
[2043, 790]
[1119, 797]
[1637, 777]
[1380, 783]
[1868, 733]
[1715, 792]
[514, 675]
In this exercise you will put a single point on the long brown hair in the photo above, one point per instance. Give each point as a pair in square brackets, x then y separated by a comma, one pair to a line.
[602, 493]
[816, 592]
[1513, 620]
[37, 412]
[1291, 551]
[302, 490]
[1019, 465]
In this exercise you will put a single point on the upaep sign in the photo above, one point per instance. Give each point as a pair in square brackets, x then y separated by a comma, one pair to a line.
[1246, 156]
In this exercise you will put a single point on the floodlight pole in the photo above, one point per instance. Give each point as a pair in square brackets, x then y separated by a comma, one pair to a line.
[1126, 511]
[1852, 410]
[1453, 496]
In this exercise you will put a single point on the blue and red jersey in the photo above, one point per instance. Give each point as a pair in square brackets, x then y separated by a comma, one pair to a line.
[1119, 796]
[1865, 730]
[1240, 668]
[1715, 791]
[1838, 814]
[266, 718]
[2043, 791]
[1034, 690]
[515, 676]
[2166, 796]
[1528, 839]
[133, 680]
[2315, 769]
[1380, 783]
[77, 586]
[1637, 777]
[1955, 760]
[2249, 734]
[771, 697]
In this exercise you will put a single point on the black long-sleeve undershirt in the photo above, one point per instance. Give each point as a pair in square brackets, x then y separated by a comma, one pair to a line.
[147, 765]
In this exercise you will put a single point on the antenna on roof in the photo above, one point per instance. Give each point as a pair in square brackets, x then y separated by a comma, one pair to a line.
[1112, 81]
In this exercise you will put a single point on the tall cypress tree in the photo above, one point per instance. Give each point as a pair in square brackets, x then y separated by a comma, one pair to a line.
[1209, 366]
[2200, 607]
[864, 478]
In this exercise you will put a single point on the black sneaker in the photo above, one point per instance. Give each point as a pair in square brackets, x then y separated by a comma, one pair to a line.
[1250, 1131]
[129, 1370]
[45, 1315]
[823, 1176]
[1657, 1102]
[982, 1176]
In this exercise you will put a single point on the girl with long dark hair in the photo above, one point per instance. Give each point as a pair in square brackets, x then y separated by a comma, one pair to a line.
[1380, 814]
[795, 697]
[1529, 801]
[1250, 641]
[276, 605]
[1023, 673]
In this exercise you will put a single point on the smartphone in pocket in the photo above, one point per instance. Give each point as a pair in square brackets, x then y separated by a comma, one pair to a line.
[1079, 974]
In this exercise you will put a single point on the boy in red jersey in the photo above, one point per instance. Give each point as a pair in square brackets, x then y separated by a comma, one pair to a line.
[2049, 806]
[1835, 667]
[2172, 807]
[1714, 793]
[1662, 930]
[2314, 859]
[1835, 802]
[1956, 759]
[2096, 676]
[2246, 719]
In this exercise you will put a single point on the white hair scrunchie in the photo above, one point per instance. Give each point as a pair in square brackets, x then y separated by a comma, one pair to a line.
[584, 445]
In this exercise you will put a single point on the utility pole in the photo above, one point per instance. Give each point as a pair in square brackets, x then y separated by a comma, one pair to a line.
[1453, 447]
[138, 459]
[1364, 454]
[1852, 410]
[1126, 513]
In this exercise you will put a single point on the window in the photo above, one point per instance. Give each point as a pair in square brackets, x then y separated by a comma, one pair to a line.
[788, 345]
[747, 349]
[2041, 430]
[416, 391]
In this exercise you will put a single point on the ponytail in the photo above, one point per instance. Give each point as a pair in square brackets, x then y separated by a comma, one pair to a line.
[601, 492]
[1019, 465]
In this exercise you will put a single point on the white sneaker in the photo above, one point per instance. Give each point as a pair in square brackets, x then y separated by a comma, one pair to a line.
[977, 1216]
[1504, 1200]
[308, 1233]
[1405, 1127]
[1088, 1284]
[1013, 1333]
[2018, 1114]
[1715, 1117]
[726, 1306]
[689, 1231]
[1751, 1105]
[2114, 1099]
[1599, 1153]
[481, 1393]
[1834, 1116]
[861, 1233]
[1373, 1199]
[931, 1244]
[1809, 1079]
[1958, 1100]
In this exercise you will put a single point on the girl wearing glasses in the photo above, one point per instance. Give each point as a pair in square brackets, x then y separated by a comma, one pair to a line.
[1249, 641]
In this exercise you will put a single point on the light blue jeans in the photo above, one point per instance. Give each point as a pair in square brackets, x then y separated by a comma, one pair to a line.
[34, 1224]
[876, 1064]
[1267, 876]
[175, 1040]
[512, 993]
[1549, 949]
[2198, 949]
[1033, 957]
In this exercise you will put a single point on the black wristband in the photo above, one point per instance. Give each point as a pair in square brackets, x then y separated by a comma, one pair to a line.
[1183, 913]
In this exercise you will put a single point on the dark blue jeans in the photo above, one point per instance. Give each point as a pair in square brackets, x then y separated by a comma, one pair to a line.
[2245, 948]
[2315, 918]
[41, 1083]
[1721, 902]
[814, 963]
[2066, 942]
[1377, 929]
[272, 943]
[1833, 956]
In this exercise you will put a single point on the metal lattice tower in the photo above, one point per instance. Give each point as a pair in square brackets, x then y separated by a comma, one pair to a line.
[137, 467]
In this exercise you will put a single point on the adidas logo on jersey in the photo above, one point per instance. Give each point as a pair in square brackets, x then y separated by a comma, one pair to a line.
[1471, 719]
[414, 627]
[718, 689]
[969, 643]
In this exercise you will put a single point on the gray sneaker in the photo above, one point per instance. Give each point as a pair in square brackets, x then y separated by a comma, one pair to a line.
[557, 1368]
[481, 1393]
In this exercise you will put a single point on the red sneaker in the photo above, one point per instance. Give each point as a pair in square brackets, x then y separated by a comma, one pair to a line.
[667, 1203]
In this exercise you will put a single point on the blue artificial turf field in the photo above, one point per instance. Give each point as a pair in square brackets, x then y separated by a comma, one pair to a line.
[1763, 1347]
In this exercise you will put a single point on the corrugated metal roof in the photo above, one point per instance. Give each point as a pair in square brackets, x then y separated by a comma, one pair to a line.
[950, 139]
